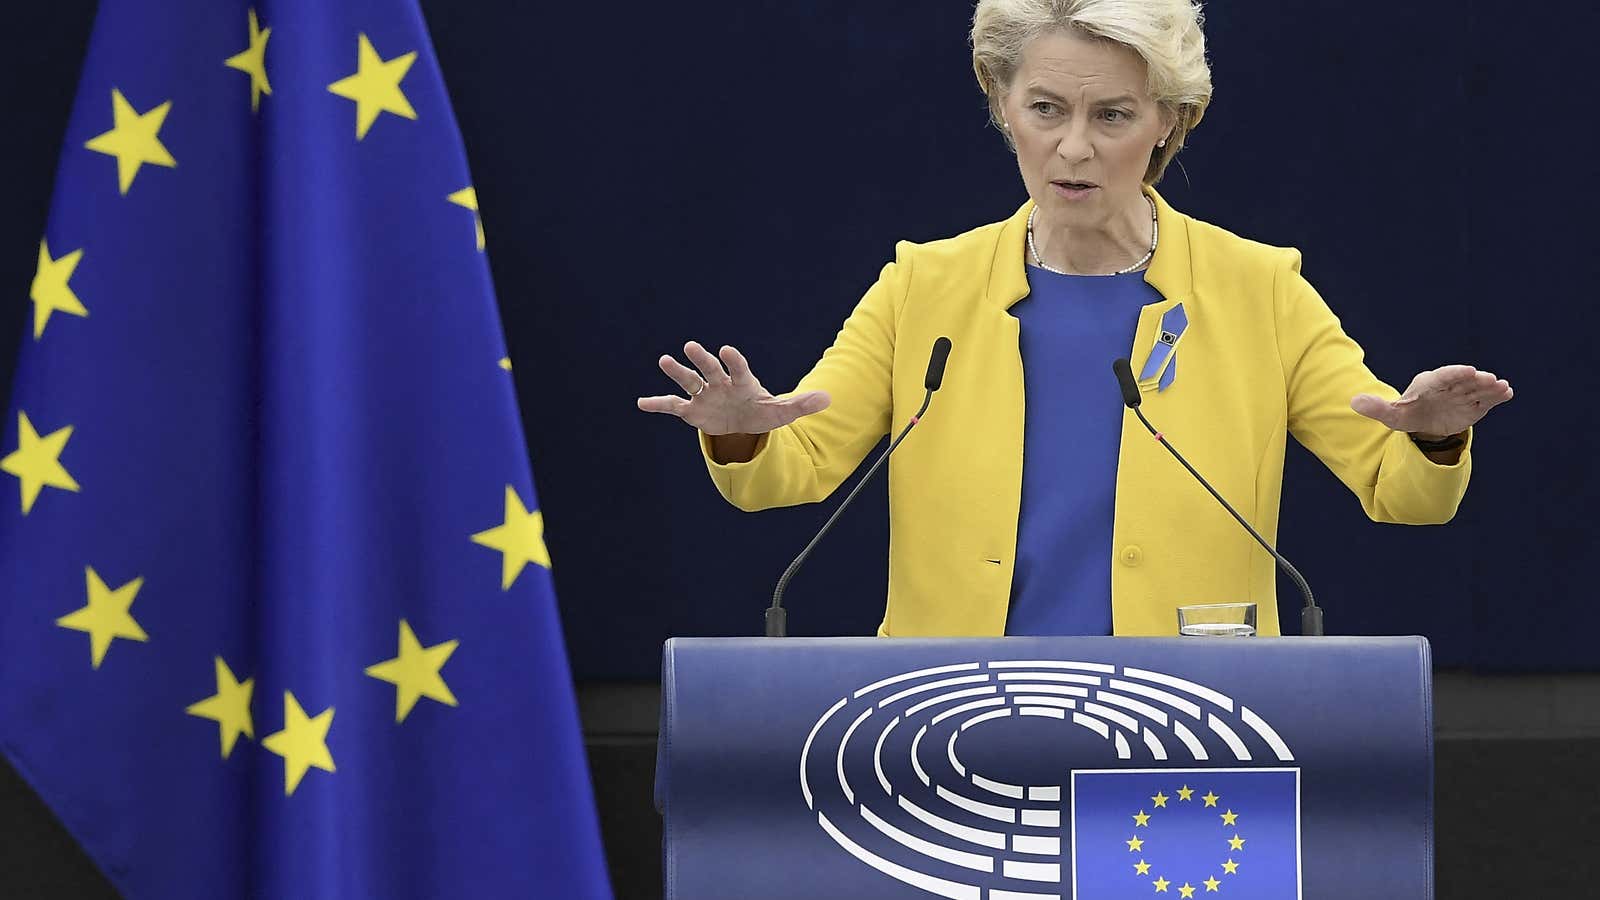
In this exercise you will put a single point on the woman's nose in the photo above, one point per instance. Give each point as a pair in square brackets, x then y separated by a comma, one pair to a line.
[1074, 145]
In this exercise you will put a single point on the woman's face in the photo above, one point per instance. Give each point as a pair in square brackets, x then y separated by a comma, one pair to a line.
[1079, 112]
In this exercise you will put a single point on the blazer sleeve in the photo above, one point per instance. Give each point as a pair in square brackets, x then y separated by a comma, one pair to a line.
[804, 461]
[1323, 370]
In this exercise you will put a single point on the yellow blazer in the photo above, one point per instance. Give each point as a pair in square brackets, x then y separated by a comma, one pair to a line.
[1262, 357]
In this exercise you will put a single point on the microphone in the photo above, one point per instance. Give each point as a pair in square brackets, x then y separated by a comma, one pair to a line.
[1311, 615]
[936, 361]
[777, 616]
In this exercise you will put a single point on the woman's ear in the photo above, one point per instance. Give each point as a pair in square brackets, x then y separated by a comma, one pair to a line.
[1169, 124]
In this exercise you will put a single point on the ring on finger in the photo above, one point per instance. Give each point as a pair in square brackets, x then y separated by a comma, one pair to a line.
[703, 385]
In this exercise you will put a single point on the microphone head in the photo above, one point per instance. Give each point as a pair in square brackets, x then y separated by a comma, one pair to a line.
[1130, 388]
[941, 353]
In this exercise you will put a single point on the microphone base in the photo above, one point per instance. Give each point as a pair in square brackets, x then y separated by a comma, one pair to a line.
[777, 622]
[1310, 621]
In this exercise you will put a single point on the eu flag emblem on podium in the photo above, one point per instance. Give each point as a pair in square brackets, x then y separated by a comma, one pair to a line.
[276, 616]
[1187, 833]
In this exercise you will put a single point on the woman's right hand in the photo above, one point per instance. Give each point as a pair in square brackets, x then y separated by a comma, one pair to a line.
[727, 400]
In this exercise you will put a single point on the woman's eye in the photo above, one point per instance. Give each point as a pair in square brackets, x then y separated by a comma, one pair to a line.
[1044, 108]
[1119, 114]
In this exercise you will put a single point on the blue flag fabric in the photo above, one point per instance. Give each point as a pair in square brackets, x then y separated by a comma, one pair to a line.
[276, 616]
[1186, 832]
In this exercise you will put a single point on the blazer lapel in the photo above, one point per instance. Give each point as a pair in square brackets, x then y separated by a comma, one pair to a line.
[1163, 325]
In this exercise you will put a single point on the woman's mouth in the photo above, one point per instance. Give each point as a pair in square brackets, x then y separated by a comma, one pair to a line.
[1073, 190]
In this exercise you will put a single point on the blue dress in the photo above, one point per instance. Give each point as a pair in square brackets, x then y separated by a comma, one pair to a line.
[1072, 327]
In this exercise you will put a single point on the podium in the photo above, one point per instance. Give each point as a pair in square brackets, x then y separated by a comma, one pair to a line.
[1034, 768]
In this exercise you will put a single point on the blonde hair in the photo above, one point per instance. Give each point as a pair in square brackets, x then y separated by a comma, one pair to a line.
[1165, 33]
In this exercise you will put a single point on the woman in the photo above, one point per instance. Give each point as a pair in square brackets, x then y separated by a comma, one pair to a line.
[1029, 501]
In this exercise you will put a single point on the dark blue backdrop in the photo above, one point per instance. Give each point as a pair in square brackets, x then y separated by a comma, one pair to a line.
[738, 173]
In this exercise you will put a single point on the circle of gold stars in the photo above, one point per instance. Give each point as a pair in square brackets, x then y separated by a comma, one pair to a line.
[303, 740]
[134, 141]
[1141, 819]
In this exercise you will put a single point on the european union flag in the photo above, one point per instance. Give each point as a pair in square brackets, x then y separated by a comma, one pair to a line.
[276, 616]
[1186, 832]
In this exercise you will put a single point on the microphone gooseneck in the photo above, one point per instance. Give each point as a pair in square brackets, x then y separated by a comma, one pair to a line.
[777, 624]
[1311, 615]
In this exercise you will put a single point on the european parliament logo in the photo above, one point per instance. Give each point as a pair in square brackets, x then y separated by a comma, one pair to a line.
[1184, 793]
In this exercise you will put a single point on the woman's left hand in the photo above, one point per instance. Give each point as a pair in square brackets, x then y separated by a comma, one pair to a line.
[1442, 402]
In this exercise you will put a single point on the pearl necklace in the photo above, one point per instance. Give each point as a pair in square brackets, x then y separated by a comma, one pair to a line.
[1155, 237]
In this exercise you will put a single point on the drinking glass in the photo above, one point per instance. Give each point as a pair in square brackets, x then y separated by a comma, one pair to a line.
[1217, 620]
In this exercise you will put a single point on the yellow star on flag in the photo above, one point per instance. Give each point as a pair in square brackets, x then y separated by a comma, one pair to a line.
[468, 197]
[302, 743]
[37, 461]
[1160, 800]
[1141, 820]
[1229, 817]
[105, 617]
[415, 672]
[1230, 867]
[133, 139]
[505, 363]
[375, 87]
[229, 707]
[520, 539]
[1210, 799]
[1161, 885]
[1185, 792]
[1186, 891]
[1236, 843]
[51, 291]
[253, 62]
[1142, 867]
[1212, 884]
[1134, 844]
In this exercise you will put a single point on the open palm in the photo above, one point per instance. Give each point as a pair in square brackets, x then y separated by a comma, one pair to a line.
[1439, 402]
[727, 400]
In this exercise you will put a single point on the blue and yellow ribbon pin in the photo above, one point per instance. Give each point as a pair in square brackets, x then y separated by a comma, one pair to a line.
[1163, 360]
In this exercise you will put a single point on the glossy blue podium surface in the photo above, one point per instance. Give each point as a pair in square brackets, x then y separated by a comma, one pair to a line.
[1034, 768]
